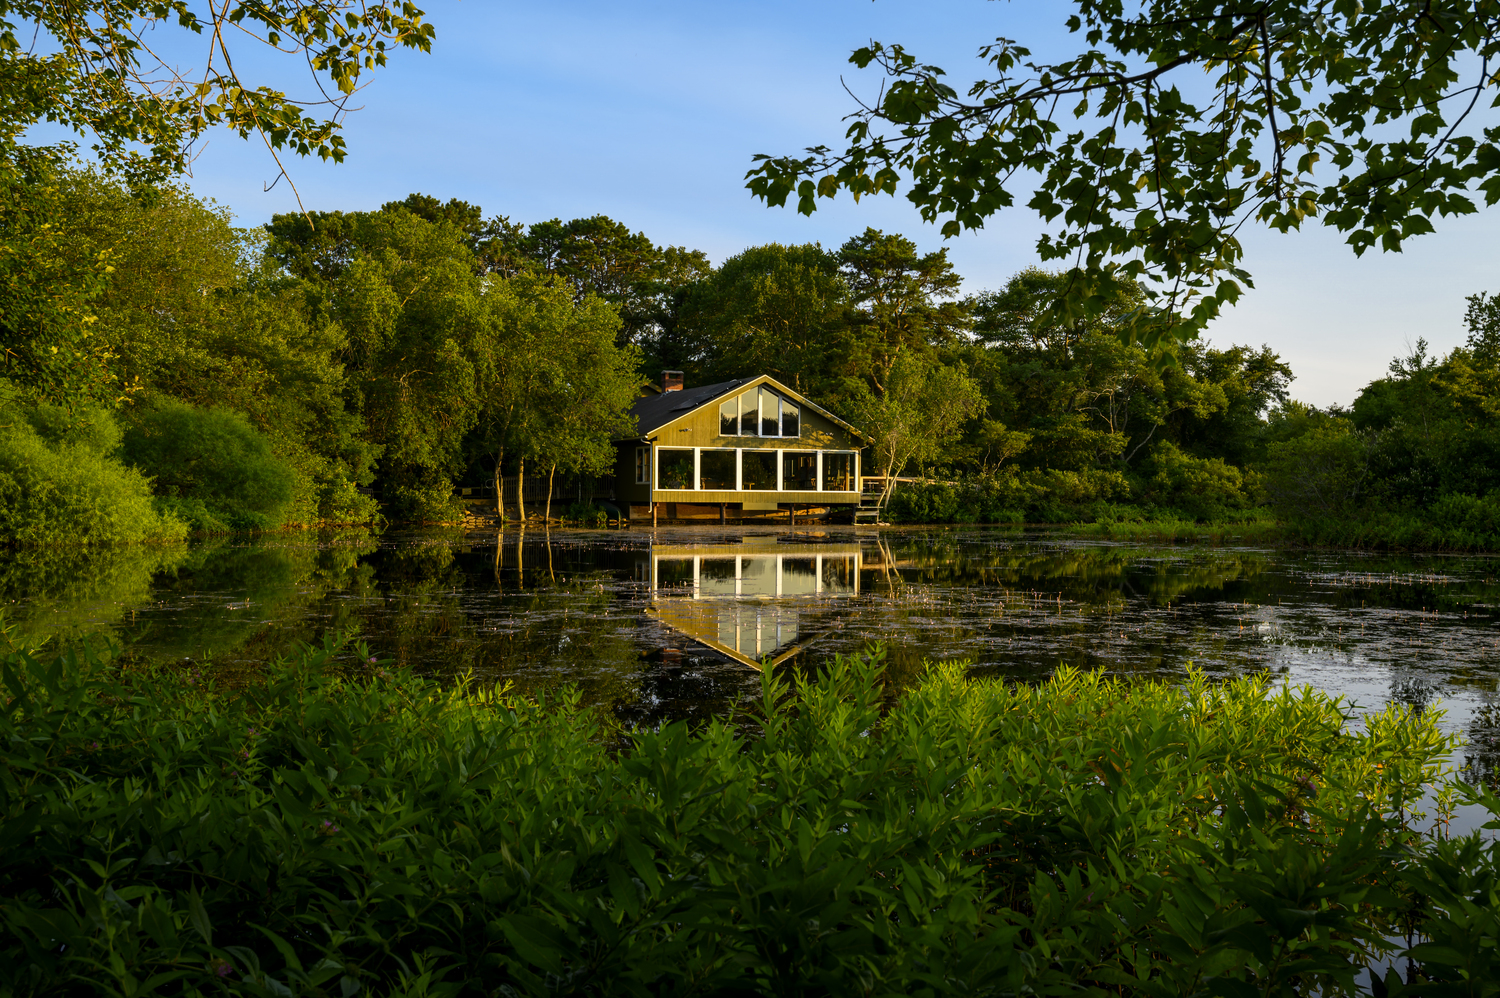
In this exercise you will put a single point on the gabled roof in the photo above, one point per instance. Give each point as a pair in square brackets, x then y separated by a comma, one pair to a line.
[652, 412]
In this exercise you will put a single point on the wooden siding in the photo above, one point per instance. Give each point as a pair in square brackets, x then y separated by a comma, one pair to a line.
[700, 429]
[626, 488]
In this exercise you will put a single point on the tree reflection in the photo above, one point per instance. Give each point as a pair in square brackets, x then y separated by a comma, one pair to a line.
[53, 595]
[541, 609]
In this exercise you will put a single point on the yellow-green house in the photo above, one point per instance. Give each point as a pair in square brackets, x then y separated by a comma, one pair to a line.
[747, 445]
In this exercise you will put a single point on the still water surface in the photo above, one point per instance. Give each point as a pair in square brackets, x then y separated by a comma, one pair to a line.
[666, 623]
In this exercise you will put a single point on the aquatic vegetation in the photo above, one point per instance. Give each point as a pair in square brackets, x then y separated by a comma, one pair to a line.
[343, 824]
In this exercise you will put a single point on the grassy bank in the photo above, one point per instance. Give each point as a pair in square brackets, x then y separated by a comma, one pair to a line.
[335, 828]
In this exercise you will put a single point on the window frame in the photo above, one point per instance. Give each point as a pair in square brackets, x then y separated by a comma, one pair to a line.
[853, 471]
[741, 404]
[761, 393]
[644, 468]
[798, 452]
[699, 478]
[775, 453]
[656, 468]
[781, 424]
[765, 392]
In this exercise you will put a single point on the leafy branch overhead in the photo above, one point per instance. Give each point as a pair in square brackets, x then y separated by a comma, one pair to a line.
[1181, 122]
[105, 68]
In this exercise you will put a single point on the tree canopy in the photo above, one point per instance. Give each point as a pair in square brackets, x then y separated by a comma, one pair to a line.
[1180, 122]
[165, 370]
[102, 71]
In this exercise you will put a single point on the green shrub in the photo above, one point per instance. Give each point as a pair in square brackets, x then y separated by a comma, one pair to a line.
[336, 828]
[1321, 473]
[586, 514]
[1008, 496]
[1476, 515]
[432, 502]
[210, 467]
[338, 500]
[1068, 490]
[1202, 489]
[925, 502]
[61, 483]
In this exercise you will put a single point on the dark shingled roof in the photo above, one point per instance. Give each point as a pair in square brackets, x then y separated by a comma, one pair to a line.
[653, 411]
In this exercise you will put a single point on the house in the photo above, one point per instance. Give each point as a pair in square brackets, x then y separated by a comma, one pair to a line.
[750, 445]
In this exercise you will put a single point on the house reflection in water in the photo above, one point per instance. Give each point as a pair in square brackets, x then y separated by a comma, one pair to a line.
[751, 602]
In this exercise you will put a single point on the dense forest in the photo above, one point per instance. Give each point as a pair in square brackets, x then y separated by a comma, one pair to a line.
[166, 372]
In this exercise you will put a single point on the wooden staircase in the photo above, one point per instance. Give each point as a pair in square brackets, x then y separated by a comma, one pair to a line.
[868, 510]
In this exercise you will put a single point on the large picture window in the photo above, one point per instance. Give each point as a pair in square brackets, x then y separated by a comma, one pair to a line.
[749, 415]
[838, 471]
[791, 420]
[643, 466]
[800, 471]
[770, 413]
[716, 470]
[758, 470]
[674, 469]
[729, 418]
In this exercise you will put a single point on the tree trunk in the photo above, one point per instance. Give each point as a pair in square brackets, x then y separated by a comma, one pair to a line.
[500, 486]
[889, 485]
[550, 472]
[521, 489]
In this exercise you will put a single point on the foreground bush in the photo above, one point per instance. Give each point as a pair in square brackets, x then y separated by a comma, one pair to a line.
[348, 831]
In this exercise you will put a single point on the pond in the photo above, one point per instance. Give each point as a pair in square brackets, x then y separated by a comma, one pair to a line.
[671, 623]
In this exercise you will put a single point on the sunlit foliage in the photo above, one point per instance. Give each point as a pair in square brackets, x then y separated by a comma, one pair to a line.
[336, 823]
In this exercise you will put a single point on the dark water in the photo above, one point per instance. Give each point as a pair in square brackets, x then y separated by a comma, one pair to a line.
[662, 624]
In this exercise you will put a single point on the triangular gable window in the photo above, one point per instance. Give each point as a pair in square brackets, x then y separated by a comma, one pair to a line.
[760, 412]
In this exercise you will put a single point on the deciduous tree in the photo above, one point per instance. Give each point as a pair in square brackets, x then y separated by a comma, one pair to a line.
[924, 405]
[103, 70]
[1178, 123]
[773, 309]
[598, 256]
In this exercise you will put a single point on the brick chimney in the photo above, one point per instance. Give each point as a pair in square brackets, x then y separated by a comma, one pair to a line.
[671, 381]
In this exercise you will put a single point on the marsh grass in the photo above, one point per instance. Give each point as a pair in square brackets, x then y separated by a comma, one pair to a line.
[1396, 530]
[337, 826]
[1376, 532]
[1177, 531]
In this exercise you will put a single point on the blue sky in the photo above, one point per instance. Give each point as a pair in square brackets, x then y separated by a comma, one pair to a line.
[650, 113]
